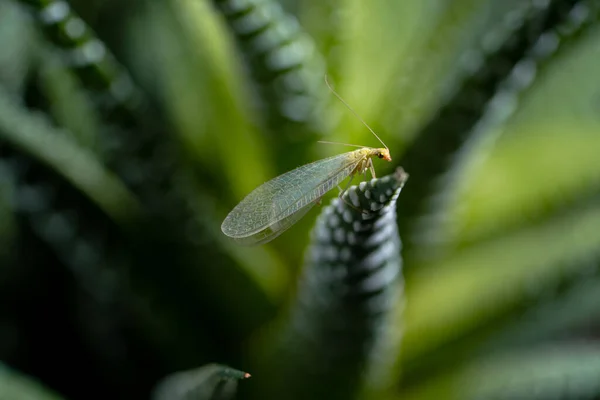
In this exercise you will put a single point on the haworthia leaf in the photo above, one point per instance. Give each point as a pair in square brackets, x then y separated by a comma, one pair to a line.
[210, 382]
[35, 135]
[501, 69]
[15, 386]
[286, 71]
[118, 99]
[564, 21]
[482, 281]
[18, 44]
[86, 54]
[339, 338]
[279, 55]
[552, 307]
[574, 308]
[7, 218]
[568, 370]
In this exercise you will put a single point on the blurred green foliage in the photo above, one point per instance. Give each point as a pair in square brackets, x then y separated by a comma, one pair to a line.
[129, 129]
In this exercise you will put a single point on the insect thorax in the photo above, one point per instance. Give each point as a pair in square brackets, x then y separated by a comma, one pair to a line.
[365, 159]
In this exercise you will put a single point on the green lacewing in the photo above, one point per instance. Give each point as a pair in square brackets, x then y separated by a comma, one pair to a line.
[273, 207]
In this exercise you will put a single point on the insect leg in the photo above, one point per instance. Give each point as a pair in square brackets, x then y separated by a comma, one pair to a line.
[347, 186]
[372, 168]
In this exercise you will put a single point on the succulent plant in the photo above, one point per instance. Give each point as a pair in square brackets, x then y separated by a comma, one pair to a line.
[128, 130]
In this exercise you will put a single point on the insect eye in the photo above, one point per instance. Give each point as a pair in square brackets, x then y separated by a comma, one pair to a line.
[380, 155]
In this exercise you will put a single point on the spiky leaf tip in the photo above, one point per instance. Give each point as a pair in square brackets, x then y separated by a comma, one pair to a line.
[211, 381]
[341, 336]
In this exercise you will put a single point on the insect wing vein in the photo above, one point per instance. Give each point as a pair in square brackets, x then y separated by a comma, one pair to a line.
[284, 195]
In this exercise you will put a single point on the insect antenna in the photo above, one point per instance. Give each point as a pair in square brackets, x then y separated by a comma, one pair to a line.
[343, 144]
[352, 111]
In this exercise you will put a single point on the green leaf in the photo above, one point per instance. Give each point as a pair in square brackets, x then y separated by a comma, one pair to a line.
[528, 188]
[549, 308]
[572, 307]
[16, 386]
[342, 328]
[452, 295]
[19, 44]
[285, 67]
[453, 41]
[203, 96]
[87, 55]
[568, 370]
[34, 135]
[566, 27]
[7, 217]
[210, 382]
[69, 104]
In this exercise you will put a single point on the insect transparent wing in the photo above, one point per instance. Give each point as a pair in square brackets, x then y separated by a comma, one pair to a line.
[284, 195]
[275, 229]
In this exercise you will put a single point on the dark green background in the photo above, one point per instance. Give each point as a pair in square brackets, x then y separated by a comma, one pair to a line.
[114, 271]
